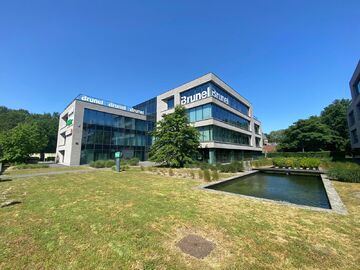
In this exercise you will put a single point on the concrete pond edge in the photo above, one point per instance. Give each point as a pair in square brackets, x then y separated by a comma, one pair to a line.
[336, 204]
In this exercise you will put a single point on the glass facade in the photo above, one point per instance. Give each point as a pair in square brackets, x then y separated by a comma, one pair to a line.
[214, 111]
[105, 133]
[233, 102]
[170, 103]
[222, 135]
[257, 129]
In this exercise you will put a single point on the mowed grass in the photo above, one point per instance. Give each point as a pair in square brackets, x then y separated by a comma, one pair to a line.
[132, 220]
[11, 171]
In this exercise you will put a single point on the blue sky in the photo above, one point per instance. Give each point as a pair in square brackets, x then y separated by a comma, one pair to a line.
[289, 58]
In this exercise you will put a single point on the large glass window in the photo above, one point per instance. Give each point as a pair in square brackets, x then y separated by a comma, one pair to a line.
[194, 95]
[351, 118]
[105, 133]
[170, 103]
[214, 111]
[354, 136]
[218, 134]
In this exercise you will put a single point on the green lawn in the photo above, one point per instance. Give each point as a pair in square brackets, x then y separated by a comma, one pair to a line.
[11, 171]
[105, 220]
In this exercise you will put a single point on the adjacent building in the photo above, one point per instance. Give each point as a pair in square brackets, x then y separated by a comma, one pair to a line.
[92, 129]
[354, 109]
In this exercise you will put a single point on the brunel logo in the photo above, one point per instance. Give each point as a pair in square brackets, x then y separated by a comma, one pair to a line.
[204, 94]
[109, 104]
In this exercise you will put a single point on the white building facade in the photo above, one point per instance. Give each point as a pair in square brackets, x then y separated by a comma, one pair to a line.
[92, 129]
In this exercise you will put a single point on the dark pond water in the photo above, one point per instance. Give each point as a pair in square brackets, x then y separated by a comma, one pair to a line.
[298, 189]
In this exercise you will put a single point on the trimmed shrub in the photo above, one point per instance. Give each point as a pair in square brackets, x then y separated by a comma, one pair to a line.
[233, 167]
[297, 162]
[201, 174]
[171, 172]
[320, 154]
[214, 175]
[102, 163]
[344, 171]
[207, 175]
[261, 162]
[109, 163]
[142, 168]
[192, 174]
[30, 166]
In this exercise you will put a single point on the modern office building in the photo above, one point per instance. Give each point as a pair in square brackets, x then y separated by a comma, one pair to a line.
[354, 109]
[92, 129]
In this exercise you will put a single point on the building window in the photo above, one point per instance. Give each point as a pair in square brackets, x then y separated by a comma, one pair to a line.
[170, 103]
[354, 136]
[195, 94]
[222, 135]
[104, 134]
[257, 129]
[257, 142]
[214, 111]
[351, 118]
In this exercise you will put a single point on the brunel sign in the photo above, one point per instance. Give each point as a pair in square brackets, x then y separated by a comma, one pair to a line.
[204, 94]
[108, 104]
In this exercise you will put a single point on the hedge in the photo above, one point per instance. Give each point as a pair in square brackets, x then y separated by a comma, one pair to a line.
[30, 166]
[261, 162]
[343, 171]
[324, 155]
[297, 162]
[102, 163]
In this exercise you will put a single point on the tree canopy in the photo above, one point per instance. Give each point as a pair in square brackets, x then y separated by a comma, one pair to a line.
[176, 142]
[18, 143]
[329, 131]
[12, 127]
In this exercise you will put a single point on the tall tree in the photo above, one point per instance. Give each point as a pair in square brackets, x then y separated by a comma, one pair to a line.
[11, 118]
[309, 135]
[335, 117]
[18, 143]
[175, 140]
[275, 136]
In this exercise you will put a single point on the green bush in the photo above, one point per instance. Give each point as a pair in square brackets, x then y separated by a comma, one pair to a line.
[233, 167]
[109, 163]
[344, 171]
[320, 154]
[261, 162]
[207, 175]
[214, 175]
[297, 162]
[30, 166]
[102, 163]
[201, 174]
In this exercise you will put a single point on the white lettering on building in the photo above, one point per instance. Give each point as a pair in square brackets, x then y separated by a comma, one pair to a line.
[92, 100]
[109, 104]
[204, 94]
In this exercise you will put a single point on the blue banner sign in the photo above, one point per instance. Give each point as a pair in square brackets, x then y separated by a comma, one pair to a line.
[108, 104]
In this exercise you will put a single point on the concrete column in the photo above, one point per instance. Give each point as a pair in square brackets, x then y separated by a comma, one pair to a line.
[212, 156]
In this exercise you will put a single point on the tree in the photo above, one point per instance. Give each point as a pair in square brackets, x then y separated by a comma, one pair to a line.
[335, 117]
[49, 127]
[11, 118]
[18, 143]
[275, 136]
[175, 140]
[309, 135]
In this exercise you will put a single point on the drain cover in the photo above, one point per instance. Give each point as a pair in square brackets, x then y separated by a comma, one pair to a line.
[195, 246]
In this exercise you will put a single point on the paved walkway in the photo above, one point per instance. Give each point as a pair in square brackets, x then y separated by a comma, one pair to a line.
[4, 177]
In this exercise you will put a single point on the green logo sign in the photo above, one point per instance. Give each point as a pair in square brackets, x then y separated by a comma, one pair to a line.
[118, 154]
[69, 122]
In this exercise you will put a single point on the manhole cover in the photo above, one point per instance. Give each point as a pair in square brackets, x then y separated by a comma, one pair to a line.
[195, 246]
